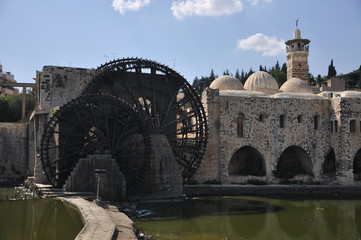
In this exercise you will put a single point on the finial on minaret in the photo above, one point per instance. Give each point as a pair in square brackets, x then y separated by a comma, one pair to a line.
[297, 23]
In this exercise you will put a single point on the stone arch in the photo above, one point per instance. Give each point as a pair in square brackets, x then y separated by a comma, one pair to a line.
[329, 165]
[294, 160]
[247, 161]
[357, 166]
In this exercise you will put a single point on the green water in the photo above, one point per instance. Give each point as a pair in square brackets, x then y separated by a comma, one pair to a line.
[216, 218]
[42, 219]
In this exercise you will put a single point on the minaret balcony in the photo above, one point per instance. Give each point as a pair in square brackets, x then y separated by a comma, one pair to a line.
[297, 49]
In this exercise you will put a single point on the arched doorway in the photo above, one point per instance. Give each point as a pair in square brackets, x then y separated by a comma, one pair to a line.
[247, 161]
[357, 166]
[293, 161]
[329, 165]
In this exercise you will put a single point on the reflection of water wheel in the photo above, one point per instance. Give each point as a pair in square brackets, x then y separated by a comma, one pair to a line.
[166, 101]
[95, 124]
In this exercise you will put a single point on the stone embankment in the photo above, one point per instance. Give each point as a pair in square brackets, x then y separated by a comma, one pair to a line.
[276, 191]
[101, 221]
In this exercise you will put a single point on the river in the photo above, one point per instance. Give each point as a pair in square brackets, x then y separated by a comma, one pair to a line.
[209, 218]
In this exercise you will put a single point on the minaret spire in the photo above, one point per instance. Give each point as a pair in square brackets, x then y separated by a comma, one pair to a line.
[297, 56]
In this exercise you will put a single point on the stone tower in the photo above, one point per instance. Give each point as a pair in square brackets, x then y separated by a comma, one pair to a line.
[297, 56]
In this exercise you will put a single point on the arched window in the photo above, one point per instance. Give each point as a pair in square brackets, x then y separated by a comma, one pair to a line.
[283, 121]
[317, 122]
[336, 126]
[352, 126]
[331, 126]
[240, 125]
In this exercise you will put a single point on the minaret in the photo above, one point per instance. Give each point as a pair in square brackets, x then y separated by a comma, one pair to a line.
[297, 56]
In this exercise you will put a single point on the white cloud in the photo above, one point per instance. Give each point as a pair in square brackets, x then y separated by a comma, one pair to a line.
[255, 2]
[124, 5]
[269, 46]
[186, 8]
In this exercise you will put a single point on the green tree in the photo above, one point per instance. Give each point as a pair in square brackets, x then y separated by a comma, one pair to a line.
[331, 70]
[279, 76]
[11, 107]
[227, 72]
[277, 66]
[284, 68]
[237, 75]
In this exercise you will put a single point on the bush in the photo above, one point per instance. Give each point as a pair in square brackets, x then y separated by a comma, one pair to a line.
[11, 107]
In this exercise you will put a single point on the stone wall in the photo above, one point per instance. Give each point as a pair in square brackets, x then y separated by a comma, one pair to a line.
[58, 85]
[13, 152]
[271, 140]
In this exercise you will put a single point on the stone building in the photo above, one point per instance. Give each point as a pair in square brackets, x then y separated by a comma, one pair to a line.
[7, 77]
[259, 133]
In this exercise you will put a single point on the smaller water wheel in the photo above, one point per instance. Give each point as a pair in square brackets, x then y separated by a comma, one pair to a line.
[167, 103]
[95, 124]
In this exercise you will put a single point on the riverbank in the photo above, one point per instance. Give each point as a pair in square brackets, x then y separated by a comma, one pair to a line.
[275, 191]
[101, 221]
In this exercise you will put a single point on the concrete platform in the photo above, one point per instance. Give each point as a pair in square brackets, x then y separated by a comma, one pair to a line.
[103, 221]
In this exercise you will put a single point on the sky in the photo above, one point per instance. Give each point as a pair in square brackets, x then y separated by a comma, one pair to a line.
[190, 36]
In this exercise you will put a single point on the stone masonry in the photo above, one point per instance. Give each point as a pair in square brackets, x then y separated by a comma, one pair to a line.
[13, 152]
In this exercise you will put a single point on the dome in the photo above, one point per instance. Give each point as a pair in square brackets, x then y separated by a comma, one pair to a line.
[296, 85]
[262, 82]
[227, 82]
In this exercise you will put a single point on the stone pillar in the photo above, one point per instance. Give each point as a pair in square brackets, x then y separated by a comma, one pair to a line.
[164, 176]
[23, 105]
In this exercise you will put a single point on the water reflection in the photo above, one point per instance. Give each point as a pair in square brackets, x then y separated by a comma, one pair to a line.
[253, 218]
[38, 219]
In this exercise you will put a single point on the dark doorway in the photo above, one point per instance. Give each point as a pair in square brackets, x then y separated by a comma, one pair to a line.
[247, 161]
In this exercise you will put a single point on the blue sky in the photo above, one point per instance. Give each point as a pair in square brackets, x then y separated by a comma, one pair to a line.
[194, 36]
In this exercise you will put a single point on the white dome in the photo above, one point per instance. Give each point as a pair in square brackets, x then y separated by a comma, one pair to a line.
[262, 82]
[227, 82]
[296, 85]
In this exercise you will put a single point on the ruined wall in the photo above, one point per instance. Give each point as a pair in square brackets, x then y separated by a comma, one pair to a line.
[58, 85]
[13, 152]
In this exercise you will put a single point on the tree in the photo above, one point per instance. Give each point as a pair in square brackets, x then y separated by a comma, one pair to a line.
[284, 68]
[243, 77]
[279, 76]
[260, 68]
[11, 107]
[196, 85]
[226, 72]
[277, 66]
[331, 70]
[311, 79]
[212, 76]
[237, 75]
